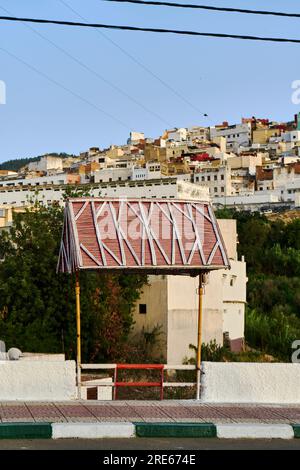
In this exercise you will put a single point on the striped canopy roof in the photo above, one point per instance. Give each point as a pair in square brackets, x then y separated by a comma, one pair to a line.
[151, 235]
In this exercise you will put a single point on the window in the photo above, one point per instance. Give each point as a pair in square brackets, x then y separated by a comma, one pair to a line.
[222, 177]
[202, 178]
[222, 189]
[215, 177]
[215, 190]
[208, 178]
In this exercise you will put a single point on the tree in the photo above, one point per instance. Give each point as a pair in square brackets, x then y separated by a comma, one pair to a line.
[37, 306]
[272, 253]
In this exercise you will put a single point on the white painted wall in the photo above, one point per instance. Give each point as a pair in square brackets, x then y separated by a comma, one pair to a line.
[178, 134]
[47, 162]
[239, 134]
[37, 380]
[183, 315]
[227, 382]
[293, 136]
[234, 319]
[104, 392]
[112, 174]
[165, 188]
[60, 178]
[258, 197]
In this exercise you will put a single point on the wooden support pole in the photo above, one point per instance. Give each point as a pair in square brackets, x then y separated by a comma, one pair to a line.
[199, 337]
[78, 330]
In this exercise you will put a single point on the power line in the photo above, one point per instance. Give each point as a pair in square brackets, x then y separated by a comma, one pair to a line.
[89, 69]
[208, 7]
[63, 87]
[149, 30]
[139, 63]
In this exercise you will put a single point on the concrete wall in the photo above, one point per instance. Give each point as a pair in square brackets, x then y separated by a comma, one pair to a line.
[104, 392]
[229, 233]
[227, 382]
[165, 188]
[37, 380]
[182, 331]
[234, 320]
[60, 178]
[154, 295]
[183, 316]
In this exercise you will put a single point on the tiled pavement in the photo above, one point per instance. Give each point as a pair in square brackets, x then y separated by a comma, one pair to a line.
[147, 411]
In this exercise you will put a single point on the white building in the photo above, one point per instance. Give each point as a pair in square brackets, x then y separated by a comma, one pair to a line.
[171, 302]
[150, 171]
[107, 175]
[178, 135]
[46, 163]
[236, 135]
[292, 136]
[135, 137]
[217, 179]
[164, 188]
[127, 171]
[58, 178]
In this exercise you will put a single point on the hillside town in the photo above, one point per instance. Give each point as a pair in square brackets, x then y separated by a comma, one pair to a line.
[253, 165]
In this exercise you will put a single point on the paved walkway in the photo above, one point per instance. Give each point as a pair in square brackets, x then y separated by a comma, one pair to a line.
[146, 411]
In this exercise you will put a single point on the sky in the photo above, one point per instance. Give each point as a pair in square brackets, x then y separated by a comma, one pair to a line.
[68, 89]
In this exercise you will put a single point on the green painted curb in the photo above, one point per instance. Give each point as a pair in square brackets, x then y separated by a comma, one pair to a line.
[175, 430]
[296, 428]
[25, 431]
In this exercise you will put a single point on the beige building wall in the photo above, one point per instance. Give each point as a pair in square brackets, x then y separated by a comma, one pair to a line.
[114, 152]
[245, 161]
[172, 302]
[262, 136]
[221, 142]
[229, 234]
[153, 152]
[6, 216]
[183, 316]
[155, 297]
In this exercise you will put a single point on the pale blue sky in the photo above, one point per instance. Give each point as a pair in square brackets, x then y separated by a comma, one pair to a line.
[224, 78]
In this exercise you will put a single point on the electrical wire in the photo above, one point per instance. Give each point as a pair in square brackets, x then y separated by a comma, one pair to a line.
[139, 63]
[150, 30]
[208, 7]
[65, 88]
[92, 71]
